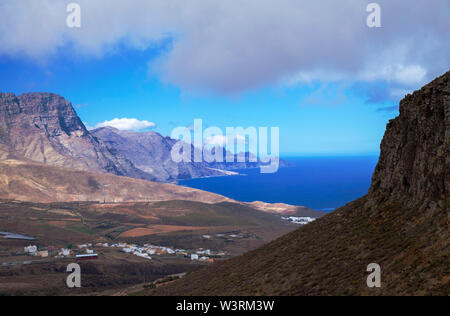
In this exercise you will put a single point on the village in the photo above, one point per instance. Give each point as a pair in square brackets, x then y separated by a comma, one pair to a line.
[90, 251]
[299, 220]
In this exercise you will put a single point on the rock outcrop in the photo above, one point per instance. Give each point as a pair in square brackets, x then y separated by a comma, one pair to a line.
[414, 166]
[44, 127]
[151, 152]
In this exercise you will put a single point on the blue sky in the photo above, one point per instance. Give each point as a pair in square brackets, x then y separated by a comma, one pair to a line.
[331, 91]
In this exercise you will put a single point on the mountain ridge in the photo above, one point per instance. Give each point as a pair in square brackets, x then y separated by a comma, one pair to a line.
[151, 152]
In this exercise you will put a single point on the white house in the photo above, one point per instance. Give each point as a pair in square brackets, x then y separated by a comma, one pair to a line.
[64, 252]
[151, 251]
[30, 249]
[194, 257]
[127, 250]
[204, 252]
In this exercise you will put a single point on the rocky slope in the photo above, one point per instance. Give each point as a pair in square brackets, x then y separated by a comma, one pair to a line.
[151, 152]
[44, 127]
[402, 224]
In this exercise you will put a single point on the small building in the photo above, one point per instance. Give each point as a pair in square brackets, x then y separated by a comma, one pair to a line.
[144, 255]
[93, 256]
[64, 252]
[161, 252]
[194, 257]
[43, 253]
[127, 250]
[30, 249]
[151, 251]
[204, 252]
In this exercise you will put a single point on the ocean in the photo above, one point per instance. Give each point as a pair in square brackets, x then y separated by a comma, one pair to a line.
[321, 183]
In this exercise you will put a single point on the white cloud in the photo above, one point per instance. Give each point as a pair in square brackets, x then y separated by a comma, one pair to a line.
[232, 46]
[405, 75]
[126, 124]
[410, 75]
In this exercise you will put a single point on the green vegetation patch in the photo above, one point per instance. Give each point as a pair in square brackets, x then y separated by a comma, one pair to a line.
[80, 228]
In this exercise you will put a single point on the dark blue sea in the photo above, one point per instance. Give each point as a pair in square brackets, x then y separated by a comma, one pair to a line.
[321, 183]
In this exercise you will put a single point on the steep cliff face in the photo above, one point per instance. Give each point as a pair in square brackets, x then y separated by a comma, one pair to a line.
[44, 127]
[151, 152]
[402, 224]
[414, 166]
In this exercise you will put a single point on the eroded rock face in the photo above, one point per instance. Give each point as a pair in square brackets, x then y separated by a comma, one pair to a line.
[44, 127]
[414, 166]
[151, 152]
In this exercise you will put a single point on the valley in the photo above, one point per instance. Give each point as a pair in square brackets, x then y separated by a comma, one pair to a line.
[210, 231]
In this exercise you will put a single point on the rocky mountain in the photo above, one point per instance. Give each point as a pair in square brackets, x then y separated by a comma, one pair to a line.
[151, 153]
[401, 225]
[44, 127]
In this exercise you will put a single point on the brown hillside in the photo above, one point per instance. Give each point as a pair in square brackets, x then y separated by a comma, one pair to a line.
[402, 224]
[36, 182]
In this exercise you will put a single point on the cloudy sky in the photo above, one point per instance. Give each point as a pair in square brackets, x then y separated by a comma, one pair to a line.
[313, 68]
